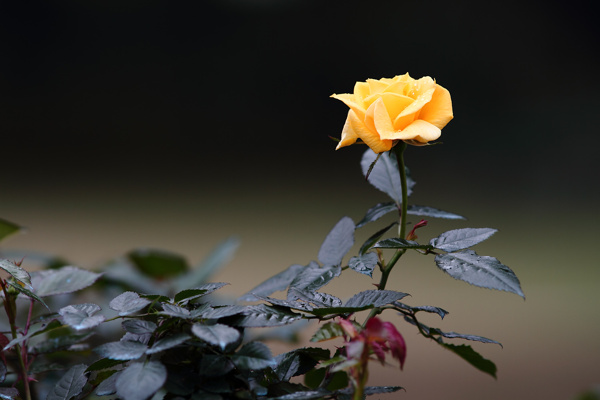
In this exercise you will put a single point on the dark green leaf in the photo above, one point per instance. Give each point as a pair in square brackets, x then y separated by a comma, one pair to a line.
[70, 385]
[298, 362]
[103, 363]
[17, 272]
[385, 175]
[454, 335]
[194, 293]
[262, 315]
[63, 280]
[482, 271]
[374, 298]
[214, 365]
[472, 357]
[26, 292]
[293, 304]
[425, 211]
[8, 228]
[60, 343]
[9, 393]
[158, 264]
[459, 239]
[3, 371]
[168, 343]
[215, 260]
[304, 395]
[217, 335]
[327, 331]
[370, 242]
[108, 385]
[128, 303]
[218, 312]
[141, 380]
[274, 284]
[398, 243]
[430, 309]
[176, 311]
[123, 350]
[338, 242]
[376, 212]
[45, 327]
[321, 312]
[371, 390]
[316, 298]
[313, 277]
[138, 326]
[81, 316]
[364, 264]
[253, 355]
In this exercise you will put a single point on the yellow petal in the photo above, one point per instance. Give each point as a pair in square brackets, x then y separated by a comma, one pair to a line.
[383, 122]
[376, 86]
[419, 102]
[348, 135]
[361, 90]
[420, 131]
[350, 101]
[395, 103]
[369, 137]
[439, 110]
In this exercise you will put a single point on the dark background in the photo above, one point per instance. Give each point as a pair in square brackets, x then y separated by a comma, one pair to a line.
[176, 124]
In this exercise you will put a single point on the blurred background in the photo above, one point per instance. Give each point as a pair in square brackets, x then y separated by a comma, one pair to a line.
[178, 124]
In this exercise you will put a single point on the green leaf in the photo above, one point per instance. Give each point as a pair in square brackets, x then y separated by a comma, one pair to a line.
[108, 385]
[81, 316]
[482, 271]
[370, 242]
[17, 272]
[253, 355]
[63, 280]
[214, 365]
[327, 331]
[103, 363]
[141, 380]
[8, 228]
[168, 343]
[262, 316]
[385, 175]
[217, 335]
[123, 350]
[374, 298]
[138, 326]
[313, 277]
[321, 312]
[376, 212]
[60, 343]
[208, 312]
[430, 309]
[175, 311]
[9, 393]
[425, 211]
[298, 362]
[202, 290]
[128, 303]
[215, 260]
[454, 335]
[26, 292]
[274, 284]
[467, 353]
[158, 264]
[398, 243]
[364, 264]
[70, 385]
[337, 243]
[304, 395]
[3, 371]
[45, 327]
[459, 239]
[316, 298]
[371, 390]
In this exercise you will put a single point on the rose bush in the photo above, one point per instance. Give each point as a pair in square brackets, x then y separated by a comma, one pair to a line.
[390, 109]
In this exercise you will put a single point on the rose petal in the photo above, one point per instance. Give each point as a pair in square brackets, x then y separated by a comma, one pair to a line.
[382, 120]
[439, 110]
[377, 86]
[348, 135]
[361, 90]
[351, 102]
[371, 138]
[421, 131]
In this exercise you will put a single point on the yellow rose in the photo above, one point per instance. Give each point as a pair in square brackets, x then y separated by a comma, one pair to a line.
[401, 108]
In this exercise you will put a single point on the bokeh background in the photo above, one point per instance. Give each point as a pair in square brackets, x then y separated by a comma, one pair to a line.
[178, 124]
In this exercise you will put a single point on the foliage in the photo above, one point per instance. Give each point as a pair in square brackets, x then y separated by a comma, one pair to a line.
[175, 341]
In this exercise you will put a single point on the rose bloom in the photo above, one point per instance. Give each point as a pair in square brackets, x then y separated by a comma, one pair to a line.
[390, 109]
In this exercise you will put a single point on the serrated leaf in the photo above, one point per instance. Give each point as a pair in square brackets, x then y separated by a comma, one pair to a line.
[316, 298]
[208, 312]
[295, 305]
[217, 335]
[385, 175]
[371, 390]
[327, 331]
[467, 353]
[304, 395]
[9, 393]
[215, 260]
[253, 355]
[128, 303]
[459, 239]
[482, 271]
[26, 292]
[298, 362]
[158, 264]
[425, 211]
[376, 212]
[454, 335]
[374, 298]
[328, 311]
[175, 311]
[17, 272]
[138, 326]
[337, 243]
[8, 228]
[53, 324]
[60, 343]
[81, 316]
[430, 309]
[274, 284]
[122, 350]
[399, 243]
[370, 242]
[313, 276]
[364, 264]
[168, 343]
[262, 316]
[108, 386]
[140, 380]
[70, 385]
[103, 363]
[214, 365]
[67, 279]
[194, 293]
